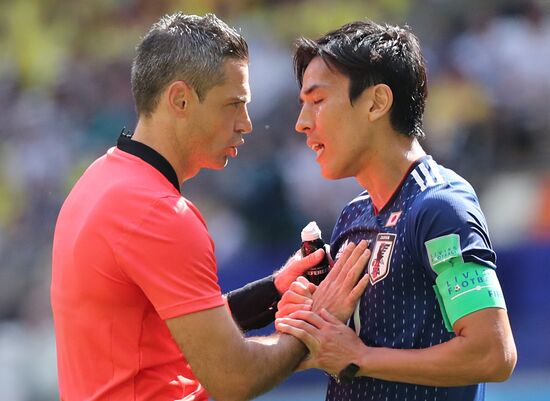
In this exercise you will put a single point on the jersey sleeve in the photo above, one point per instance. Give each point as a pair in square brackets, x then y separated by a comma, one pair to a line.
[456, 212]
[170, 256]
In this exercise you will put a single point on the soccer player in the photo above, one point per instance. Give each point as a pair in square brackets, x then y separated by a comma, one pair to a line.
[432, 324]
[137, 309]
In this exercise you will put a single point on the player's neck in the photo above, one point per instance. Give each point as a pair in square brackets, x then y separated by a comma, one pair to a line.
[387, 168]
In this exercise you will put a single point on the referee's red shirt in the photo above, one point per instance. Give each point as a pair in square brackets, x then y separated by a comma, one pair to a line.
[129, 252]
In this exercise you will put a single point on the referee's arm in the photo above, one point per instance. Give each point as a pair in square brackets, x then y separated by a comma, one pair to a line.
[228, 365]
[232, 367]
[254, 305]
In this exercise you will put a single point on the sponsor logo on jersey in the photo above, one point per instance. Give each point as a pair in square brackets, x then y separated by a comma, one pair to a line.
[380, 260]
[392, 220]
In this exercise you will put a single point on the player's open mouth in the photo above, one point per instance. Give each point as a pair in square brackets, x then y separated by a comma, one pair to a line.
[318, 148]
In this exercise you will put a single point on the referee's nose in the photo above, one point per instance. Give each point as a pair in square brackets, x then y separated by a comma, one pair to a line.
[244, 124]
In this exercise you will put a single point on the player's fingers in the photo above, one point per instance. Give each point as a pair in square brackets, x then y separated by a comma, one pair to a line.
[309, 317]
[299, 329]
[311, 288]
[348, 250]
[287, 309]
[329, 257]
[358, 266]
[299, 323]
[359, 289]
[329, 317]
[354, 266]
[282, 323]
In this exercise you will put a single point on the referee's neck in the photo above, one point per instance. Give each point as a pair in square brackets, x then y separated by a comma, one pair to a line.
[161, 136]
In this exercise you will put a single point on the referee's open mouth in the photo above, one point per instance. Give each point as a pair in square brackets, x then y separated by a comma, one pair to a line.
[233, 151]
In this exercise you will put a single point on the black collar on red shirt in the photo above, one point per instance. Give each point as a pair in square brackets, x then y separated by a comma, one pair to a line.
[148, 155]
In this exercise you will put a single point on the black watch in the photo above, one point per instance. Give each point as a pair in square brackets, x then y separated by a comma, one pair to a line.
[348, 373]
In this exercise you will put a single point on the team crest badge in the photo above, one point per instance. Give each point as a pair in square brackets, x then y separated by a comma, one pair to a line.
[380, 260]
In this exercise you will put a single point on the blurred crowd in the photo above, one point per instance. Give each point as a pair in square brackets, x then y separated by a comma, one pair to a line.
[65, 96]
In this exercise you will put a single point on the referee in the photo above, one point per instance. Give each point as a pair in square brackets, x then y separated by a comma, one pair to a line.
[137, 308]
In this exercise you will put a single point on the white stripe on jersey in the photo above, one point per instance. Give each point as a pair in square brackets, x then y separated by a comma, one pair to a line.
[357, 317]
[418, 180]
[435, 171]
[362, 196]
[427, 178]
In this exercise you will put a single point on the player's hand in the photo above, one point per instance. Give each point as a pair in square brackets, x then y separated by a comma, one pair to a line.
[332, 345]
[298, 297]
[295, 267]
[339, 292]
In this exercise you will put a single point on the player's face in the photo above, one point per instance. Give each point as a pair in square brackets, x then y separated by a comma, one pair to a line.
[335, 128]
[220, 120]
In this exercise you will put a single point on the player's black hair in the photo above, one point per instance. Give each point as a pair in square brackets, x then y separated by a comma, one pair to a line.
[368, 54]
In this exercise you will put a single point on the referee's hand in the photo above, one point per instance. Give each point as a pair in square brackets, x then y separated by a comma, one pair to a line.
[295, 267]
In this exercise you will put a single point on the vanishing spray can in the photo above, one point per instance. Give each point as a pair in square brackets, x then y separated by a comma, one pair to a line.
[311, 241]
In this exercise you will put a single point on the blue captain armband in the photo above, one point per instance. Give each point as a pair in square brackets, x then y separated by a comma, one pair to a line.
[461, 288]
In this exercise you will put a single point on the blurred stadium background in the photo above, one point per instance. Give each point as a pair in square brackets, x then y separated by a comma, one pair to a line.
[65, 95]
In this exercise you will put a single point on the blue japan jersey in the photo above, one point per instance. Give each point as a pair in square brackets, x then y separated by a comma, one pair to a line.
[399, 308]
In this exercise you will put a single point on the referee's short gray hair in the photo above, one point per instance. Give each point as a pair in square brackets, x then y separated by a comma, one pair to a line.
[183, 47]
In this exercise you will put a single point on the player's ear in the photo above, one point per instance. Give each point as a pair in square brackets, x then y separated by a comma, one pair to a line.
[381, 97]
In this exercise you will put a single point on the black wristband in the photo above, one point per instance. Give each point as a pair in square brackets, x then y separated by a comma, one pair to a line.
[254, 305]
[348, 373]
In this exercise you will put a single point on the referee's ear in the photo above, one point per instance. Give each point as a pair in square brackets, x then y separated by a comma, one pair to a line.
[178, 95]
